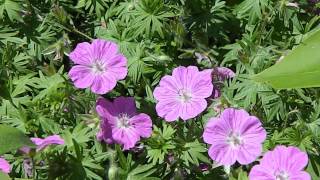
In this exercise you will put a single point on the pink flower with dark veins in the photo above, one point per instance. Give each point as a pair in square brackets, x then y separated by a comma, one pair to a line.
[282, 163]
[234, 136]
[183, 94]
[99, 66]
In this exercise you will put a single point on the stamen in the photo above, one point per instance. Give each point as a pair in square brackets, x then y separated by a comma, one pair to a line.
[98, 67]
[123, 121]
[234, 139]
[184, 95]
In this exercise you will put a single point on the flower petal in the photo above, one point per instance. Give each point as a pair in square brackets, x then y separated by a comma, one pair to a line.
[142, 124]
[223, 154]
[82, 54]
[104, 50]
[81, 76]
[193, 108]
[127, 137]
[103, 84]
[125, 105]
[4, 166]
[168, 109]
[202, 86]
[259, 172]
[117, 66]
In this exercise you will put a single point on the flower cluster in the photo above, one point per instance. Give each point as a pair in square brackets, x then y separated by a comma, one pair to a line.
[234, 136]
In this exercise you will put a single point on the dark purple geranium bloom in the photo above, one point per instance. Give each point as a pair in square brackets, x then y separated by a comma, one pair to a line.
[283, 163]
[120, 123]
[99, 66]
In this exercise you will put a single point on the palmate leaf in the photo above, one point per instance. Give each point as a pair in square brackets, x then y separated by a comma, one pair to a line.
[12, 8]
[12, 139]
[299, 69]
[150, 16]
[194, 153]
[252, 9]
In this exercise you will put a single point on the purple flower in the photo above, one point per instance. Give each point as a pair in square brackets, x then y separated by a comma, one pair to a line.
[43, 143]
[283, 163]
[98, 66]
[220, 74]
[4, 166]
[183, 94]
[234, 136]
[121, 123]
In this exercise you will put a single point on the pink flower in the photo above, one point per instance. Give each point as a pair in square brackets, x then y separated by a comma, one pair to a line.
[220, 74]
[234, 136]
[283, 163]
[121, 123]
[98, 66]
[183, 94]
[43, 143]
[4, 166]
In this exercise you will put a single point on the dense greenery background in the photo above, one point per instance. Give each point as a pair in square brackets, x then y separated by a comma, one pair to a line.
[247, 36]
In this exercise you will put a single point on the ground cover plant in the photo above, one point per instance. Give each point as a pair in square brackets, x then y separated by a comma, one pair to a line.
[160, 89]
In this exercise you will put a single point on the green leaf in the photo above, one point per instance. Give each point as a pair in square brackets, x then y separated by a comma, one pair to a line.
[4, 176]
[299, 69]
[12, 8]
[12, 139]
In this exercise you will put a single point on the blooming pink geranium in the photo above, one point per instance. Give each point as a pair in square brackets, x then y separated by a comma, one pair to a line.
[234, 136]
[183, 94]
[220, 74]
[99, 66]
[283, 163]
[4, 166]
[121, 123]
[43, 143]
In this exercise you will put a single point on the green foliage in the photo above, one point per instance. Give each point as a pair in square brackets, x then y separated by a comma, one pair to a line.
[299, 69]
[11, 139]
[248, 36]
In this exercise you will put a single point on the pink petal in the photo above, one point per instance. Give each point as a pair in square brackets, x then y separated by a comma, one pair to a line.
[252, 131]
[164, 93]
[82, 54]
[202, 86]
[192, 109]
[248, 153]
[169, 110]
[215, 132]
[4, 166]
[223, 154]
[43, 143]
[127, 137]
[117, 66]
[300, 176]
[185, 76]
[259, 172]
[104, 50]
[81, 76]
[142, 124]
[103, 84]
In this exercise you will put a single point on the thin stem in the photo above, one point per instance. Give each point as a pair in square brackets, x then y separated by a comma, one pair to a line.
[81, 33]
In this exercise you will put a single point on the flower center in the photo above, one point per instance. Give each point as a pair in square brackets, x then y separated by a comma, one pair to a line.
[123, 121]
[184, 95]
[234, 139]
[282, 176]
[98, 67]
